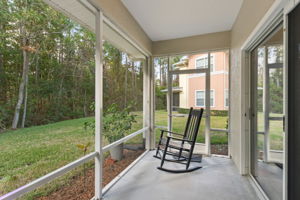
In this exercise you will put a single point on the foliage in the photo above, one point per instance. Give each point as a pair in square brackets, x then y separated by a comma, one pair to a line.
[160, 98]
[221, 113]
[61, 73]
[116, 122]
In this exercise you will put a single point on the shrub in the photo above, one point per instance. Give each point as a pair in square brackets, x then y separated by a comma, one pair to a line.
[222, 113]
[116, 122]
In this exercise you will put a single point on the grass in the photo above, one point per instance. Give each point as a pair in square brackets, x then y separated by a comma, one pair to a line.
[29, 153]
[276, 132]
[219, 122]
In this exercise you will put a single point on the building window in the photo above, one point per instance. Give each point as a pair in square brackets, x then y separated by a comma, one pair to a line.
[200, 98]
[202, 62]
[212, 98]
[226, 96]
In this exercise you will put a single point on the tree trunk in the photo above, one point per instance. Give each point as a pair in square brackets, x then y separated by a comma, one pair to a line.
[22, 86]
[25, 102]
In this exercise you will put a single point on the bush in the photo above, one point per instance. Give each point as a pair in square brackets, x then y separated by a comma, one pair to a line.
[222, 113]
[116, 122]
[183, 110]
[160, 98]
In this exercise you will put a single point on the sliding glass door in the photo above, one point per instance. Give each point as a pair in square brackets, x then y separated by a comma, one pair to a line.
[267, 133]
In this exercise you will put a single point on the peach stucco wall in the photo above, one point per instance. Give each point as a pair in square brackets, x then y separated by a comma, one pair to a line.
[219, 82]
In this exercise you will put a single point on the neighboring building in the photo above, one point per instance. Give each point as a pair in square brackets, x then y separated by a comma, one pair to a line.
[192, 93]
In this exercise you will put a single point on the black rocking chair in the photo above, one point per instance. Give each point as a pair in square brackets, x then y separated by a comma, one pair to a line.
[176, 145]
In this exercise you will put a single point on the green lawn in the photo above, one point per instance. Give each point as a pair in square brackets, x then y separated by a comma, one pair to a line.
[29, 153]
[161, 119]
[276, 132]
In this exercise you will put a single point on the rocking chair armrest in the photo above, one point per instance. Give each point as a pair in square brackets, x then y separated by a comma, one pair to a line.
[171, 132]
[179, 139]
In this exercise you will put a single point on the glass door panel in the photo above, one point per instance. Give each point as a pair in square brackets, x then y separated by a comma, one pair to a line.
[268, 114]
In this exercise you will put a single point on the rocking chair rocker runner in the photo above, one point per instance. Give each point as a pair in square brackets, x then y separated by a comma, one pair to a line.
[175, 144]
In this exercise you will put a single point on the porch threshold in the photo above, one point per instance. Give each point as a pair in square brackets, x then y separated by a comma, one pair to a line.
[218, 179]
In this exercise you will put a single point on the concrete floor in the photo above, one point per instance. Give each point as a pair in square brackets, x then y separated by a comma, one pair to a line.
[217, 180]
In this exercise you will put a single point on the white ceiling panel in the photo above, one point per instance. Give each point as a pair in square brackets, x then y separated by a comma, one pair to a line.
[169, 19]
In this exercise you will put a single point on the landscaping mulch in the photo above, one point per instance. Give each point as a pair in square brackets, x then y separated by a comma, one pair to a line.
[82, 187]
[220, 149]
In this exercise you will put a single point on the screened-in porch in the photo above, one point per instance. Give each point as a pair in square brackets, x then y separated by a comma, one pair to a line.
[233, 65]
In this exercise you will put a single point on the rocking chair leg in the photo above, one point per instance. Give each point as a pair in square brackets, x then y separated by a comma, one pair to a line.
[157, 150]
[165, 153]
[159, 143]
[180, 151]
[190, 158]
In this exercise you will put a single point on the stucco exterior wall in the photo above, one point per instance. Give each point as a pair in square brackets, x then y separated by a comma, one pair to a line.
[249, 16]
[196, 82]
[200, 43]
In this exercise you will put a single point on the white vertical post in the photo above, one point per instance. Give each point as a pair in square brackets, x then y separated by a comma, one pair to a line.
[152, 103]
[149, 104]
[266, 106]
[170, 95]
[98, 103]
[146, 103]
[207, 107]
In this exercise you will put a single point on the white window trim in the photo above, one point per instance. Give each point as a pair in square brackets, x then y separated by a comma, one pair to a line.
[214, 98]
[211, 74]
[204, 56]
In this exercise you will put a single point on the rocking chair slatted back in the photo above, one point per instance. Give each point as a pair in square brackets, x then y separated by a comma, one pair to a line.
[193, 123]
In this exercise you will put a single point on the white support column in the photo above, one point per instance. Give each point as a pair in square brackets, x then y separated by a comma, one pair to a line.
[146, 102]
[98, 103]
[207, 107]
[266, 106]
[152, 103]
[170, 95]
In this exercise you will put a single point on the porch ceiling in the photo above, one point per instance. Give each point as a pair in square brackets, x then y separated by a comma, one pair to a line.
[170, 19]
